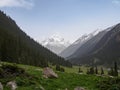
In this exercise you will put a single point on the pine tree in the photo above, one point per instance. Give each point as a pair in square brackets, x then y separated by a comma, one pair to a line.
[111, 72]
[88, 72]
[115, 69]
[96, 70]
[92, 70]
[58, 67]
[62, 69]
[102, 71]
[79, 70]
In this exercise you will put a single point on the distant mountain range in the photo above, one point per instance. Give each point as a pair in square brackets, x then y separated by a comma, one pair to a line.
[55, 43]
[101, 48]
[78, 43]
[17, 47]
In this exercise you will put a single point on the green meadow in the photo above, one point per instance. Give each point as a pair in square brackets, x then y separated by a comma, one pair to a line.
[34, 80]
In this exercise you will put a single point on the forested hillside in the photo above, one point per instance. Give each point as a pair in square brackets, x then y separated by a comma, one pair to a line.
[17, 47]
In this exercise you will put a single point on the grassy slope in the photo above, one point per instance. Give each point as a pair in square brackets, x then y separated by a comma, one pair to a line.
[68, 80]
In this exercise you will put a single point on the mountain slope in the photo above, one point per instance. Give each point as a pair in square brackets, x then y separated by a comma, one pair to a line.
[55, 43]
[101, 49]
[77, 44]
[17, 47]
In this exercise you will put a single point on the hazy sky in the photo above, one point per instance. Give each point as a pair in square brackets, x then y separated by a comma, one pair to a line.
[69, 18]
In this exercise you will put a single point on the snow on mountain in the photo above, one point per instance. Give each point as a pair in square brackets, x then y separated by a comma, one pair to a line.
[55, 43]
[103, 47]
[78, 43]
[86, 37]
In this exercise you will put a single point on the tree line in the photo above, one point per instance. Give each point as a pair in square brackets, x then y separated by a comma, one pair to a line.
[94, 70]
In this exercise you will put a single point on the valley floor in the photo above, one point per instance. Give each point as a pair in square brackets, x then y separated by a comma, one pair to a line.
[68, 80]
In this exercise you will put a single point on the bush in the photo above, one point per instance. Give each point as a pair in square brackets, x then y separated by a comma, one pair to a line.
[109, 84]
[62, 69]
[58, 68]
[90, 71]
[8, 70]
[80, 71]
[26, 81]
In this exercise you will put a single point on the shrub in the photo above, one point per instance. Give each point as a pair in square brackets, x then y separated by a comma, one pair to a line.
[80, 71]
[109, 84]
[62, 69]
[58, 68]
[8, 70]
[91, 71]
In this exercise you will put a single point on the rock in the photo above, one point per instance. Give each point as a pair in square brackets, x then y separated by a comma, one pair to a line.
[66, 89]
[39, 88]
[12, 85]
[42, 88]
[111, 76]
[1, 86]
[79, 88]
[98, 75]
[49, 73]
[38, 69]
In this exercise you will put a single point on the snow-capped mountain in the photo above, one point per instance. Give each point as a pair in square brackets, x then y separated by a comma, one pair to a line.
[103, 48]
[85, 37]
[55, 43]
[78, 43]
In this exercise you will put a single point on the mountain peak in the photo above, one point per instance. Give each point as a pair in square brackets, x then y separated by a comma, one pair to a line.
[55, 43]
[74, 46]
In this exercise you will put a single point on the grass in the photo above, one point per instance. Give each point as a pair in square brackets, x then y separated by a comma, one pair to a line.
[75, 69]
[68, 79]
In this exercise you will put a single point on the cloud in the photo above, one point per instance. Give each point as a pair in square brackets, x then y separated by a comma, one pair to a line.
[17, 3]
[117, 2]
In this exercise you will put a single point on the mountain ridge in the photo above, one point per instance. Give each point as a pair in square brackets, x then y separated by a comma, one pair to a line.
[17, 47]
[103, 50]
[79, 42]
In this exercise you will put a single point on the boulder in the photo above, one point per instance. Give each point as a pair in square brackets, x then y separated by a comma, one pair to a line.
[49, 73]
[79, 88]
[12, 85]
[1, 86]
